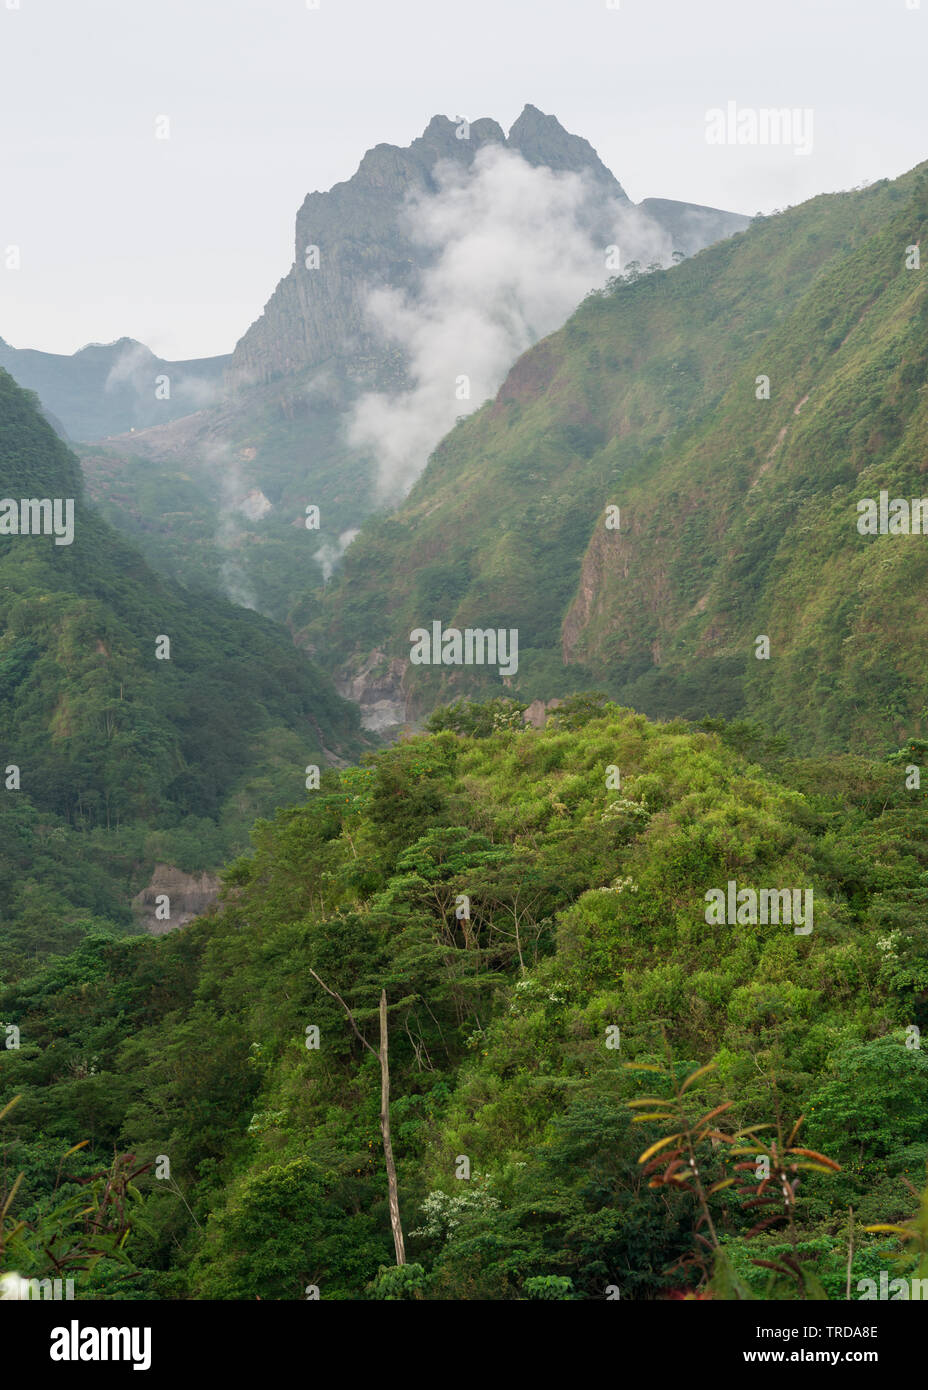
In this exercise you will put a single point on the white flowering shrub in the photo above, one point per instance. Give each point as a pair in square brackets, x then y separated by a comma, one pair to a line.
[621, 885]
[443, 1213]
[265, 1119]
[625, 810]
[529, 993]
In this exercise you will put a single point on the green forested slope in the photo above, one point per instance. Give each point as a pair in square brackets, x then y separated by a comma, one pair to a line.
[587, 915]
[124, 758]
[738, 514]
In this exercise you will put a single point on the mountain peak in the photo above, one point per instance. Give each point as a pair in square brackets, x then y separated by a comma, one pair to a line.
[366, 241]
[117, 343]
[459, 138]
[542, 140]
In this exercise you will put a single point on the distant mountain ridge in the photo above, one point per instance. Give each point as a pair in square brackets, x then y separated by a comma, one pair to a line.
[112, 388]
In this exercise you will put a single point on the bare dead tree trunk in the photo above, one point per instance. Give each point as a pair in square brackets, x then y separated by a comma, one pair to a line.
[383, 1058]
[385, 1131]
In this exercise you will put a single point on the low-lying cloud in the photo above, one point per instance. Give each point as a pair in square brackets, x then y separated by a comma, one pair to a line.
[514, 249]
[233, 495]
[138, 370]
[328, 554]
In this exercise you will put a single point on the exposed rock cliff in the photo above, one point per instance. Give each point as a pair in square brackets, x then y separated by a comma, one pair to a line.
[377, 686]
[317, 310]
[187, 896]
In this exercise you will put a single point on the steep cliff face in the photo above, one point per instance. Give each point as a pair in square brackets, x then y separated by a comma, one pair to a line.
[378, 688]
[173, 898]
[542, 141]
[348, 242]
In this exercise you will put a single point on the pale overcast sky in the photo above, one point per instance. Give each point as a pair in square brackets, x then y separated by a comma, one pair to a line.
[180, 242]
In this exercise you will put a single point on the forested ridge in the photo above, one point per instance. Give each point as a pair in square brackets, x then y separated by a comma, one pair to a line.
[515, 1031]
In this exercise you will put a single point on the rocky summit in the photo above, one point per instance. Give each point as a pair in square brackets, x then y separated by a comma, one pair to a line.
[361, 236]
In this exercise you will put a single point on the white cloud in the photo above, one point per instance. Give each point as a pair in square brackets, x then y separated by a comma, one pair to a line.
[514, 250]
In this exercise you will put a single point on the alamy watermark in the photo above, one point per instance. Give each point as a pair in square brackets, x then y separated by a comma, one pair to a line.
[896, 517]
[763, 125]
[734, 906]
[474, 646]
[13, 1287]
[895, 1290]
[38, 516]
[77, 1343]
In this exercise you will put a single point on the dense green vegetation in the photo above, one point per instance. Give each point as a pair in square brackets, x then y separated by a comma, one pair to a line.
[125, 759]
[586, 916]
[738, 514]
